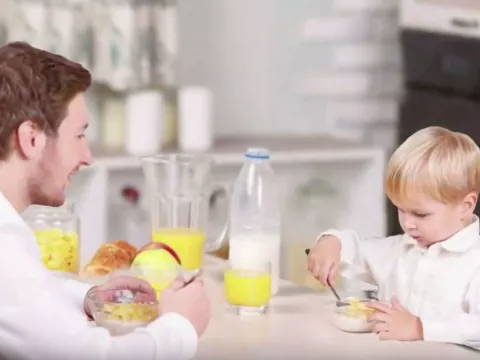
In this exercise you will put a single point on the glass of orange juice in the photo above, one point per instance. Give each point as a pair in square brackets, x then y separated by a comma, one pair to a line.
[248, 290]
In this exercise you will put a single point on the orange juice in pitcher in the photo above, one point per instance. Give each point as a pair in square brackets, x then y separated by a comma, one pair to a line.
[180, 192]
[187, 243]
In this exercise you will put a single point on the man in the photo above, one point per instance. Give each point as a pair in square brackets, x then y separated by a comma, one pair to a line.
[42, 145]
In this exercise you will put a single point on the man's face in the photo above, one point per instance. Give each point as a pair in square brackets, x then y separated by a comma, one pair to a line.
[62, 157]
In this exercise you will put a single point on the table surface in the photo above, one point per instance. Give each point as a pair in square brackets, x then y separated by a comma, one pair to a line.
[297, 326]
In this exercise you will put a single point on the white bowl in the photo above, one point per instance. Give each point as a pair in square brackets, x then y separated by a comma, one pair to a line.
[351, 324]
[351, 321]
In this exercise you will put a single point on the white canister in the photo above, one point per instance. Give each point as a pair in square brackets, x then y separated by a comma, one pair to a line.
[113, 121]
[195, 121]
[144, 114]
[28, 21]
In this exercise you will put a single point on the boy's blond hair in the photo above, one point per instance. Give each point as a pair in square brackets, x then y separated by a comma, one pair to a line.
[434, 162]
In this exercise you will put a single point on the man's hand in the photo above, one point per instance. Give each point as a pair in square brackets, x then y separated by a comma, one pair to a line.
[190, 301]
[146, 292]
[395, 322]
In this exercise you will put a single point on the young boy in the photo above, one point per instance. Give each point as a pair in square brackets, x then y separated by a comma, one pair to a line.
[430, 275]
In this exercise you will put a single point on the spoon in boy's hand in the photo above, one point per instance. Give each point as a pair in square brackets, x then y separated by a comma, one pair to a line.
[369, 294]
[340, 302]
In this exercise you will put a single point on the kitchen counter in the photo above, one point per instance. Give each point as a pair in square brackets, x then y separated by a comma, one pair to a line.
[297, 326]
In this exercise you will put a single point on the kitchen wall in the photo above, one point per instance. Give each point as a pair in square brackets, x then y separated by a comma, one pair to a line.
[298, 67]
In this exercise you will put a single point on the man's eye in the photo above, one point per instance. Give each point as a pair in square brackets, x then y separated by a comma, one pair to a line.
[81, 136]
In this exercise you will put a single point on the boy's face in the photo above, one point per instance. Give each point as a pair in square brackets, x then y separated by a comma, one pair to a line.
[429, 221]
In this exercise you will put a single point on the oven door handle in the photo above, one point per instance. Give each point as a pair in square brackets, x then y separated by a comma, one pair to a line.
[465, 23]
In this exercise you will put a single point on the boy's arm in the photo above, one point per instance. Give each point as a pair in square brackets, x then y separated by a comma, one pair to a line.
[460, 328]
[370, 258]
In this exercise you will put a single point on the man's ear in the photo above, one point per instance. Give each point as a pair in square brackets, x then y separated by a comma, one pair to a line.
[31, 140]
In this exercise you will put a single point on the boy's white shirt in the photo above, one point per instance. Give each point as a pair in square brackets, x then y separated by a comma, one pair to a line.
[42, 316]
[440, 285]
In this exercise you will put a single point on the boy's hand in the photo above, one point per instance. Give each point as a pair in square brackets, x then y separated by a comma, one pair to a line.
[394, 322]
[324, 259]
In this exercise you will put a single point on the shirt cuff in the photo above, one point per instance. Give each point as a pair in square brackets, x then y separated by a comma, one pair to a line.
[174, 335]
[347, 249]
[77, 291]
[437, 332]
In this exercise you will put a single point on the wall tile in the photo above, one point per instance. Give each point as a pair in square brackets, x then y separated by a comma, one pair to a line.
[351, 28]
[352, 84]
[367, 56]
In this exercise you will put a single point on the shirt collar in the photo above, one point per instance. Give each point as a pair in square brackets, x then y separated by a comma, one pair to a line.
[460, 242]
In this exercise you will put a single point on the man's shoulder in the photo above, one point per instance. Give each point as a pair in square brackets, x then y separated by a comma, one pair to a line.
[20, 259]
[15, 233]
[17, 243]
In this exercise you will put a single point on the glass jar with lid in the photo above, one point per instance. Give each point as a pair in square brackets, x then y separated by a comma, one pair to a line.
[57, 232]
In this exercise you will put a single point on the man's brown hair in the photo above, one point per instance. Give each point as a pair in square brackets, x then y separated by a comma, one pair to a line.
[36, 85]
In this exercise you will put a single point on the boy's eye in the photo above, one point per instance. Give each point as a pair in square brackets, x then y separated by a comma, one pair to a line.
[420, 215]
[416, 214]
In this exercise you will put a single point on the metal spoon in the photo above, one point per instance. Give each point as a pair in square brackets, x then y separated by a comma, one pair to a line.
[339, 299]
[194, 274]
[369, 294]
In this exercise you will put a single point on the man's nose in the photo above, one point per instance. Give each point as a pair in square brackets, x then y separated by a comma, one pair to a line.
[87, 157]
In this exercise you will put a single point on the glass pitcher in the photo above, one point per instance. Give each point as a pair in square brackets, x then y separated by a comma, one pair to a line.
[180, 187]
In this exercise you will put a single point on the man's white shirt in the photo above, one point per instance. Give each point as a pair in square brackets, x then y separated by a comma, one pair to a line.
[42, 316]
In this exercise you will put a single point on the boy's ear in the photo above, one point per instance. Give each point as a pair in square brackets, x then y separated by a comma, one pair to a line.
[469, 203]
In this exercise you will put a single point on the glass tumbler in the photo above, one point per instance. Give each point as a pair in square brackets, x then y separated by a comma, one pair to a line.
[248, 290]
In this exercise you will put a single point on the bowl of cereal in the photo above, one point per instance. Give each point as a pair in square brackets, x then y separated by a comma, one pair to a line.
[121, 311]
[351, 315]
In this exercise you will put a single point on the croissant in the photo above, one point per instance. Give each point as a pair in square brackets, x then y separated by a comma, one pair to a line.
[111, 256]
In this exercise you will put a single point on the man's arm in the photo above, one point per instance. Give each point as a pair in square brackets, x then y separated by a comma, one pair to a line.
[39, 320]
[76, 291]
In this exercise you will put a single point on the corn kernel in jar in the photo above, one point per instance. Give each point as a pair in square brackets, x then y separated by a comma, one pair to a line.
[59, 250]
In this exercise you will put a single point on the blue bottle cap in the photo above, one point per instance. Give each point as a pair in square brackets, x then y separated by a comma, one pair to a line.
[257, 153]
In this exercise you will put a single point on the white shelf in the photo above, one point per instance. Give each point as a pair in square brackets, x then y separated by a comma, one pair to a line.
[366, 5]
[230, 152]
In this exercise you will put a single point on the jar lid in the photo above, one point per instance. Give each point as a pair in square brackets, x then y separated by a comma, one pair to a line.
[64, 211]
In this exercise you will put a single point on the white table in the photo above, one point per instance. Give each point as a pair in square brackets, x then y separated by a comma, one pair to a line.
[297, 327]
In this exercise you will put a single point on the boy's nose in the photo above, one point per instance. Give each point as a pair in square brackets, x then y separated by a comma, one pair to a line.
[409, 225]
